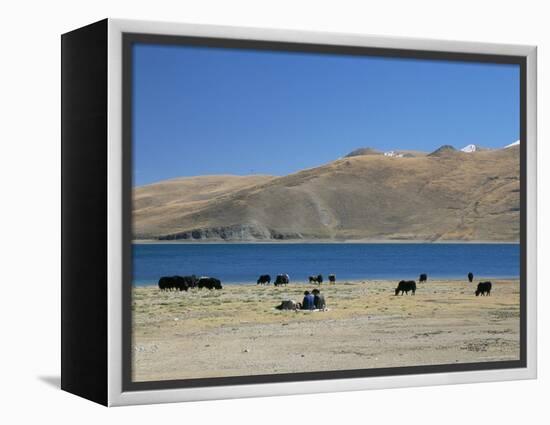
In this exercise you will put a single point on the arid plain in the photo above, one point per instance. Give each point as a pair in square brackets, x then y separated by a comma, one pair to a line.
[237, 330]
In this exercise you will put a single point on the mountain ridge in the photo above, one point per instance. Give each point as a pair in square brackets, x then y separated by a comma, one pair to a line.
[453, 196]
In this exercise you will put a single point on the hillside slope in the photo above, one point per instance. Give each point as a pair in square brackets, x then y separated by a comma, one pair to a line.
[449, 196]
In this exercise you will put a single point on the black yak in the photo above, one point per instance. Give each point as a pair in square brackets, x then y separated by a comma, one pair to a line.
[189, 281]
[180, 283]
[282, 279]
[192, 281]
[405, 286]
[470, 277]
[316, 279]
[484, 288]
[263, 279]
[423, 278]
[166, 283]
[332, 278]
[177, 283]
[209, 282]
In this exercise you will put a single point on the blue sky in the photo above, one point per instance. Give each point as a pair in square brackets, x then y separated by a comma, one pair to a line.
[200, 110]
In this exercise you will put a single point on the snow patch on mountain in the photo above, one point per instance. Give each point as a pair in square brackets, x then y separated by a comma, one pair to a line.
[469, 148]
[516, 143]
[393, 154]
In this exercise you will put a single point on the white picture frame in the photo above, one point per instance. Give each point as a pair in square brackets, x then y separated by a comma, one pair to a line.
[115, 393]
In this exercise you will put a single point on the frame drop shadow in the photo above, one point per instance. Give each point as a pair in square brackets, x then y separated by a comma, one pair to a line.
[53, 381]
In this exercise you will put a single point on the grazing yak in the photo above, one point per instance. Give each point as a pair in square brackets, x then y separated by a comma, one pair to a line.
[281, 279]
[264, 279]
[209, 282]
[166, 283]
[177, 283]
[289, 305]
[484, 288]
[180, 283]
[423, 278]
[332, 278]
[192, 281]
[470, 277]
[186, 282]
[405, 286]
[316, 279]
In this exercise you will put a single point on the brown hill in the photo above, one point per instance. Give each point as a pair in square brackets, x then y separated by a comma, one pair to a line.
[454, 196]
[411, 153]
[363, 151]
[443, 150]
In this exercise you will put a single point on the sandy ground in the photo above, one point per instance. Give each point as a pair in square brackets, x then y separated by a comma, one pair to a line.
[236, 331]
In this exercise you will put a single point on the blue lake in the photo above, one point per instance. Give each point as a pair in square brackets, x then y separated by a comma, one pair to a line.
[243, 263]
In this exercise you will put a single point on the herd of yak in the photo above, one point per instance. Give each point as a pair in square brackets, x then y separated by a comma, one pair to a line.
[184, 283]
[283, 279]
[406, 286]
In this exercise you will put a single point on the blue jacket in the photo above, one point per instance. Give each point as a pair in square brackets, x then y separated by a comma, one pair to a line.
[308, 303]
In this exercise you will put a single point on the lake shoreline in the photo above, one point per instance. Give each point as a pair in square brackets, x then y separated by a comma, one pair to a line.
[351, 281]
[316, 241]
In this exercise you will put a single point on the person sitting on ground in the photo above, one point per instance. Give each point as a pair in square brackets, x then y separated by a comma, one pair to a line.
[319, 300]
[308, 303]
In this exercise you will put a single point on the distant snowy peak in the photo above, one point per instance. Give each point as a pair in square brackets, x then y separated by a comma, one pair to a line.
[393, 154]
[469, 148]
[474, 148]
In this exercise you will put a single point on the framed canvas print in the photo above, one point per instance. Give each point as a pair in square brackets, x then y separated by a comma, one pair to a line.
[251, 212]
